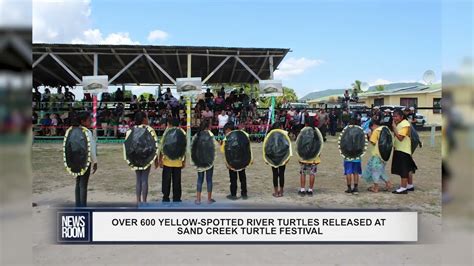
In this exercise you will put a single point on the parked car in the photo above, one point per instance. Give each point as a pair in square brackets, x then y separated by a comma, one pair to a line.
[420, 120]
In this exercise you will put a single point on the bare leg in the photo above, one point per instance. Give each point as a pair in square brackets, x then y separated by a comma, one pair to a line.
[410, 178]
[311, 181]
[302, 181]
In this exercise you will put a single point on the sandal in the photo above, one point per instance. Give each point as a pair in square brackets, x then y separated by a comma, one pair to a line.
[211, 201]
[389, 187]
[276, 195]
[198, 202]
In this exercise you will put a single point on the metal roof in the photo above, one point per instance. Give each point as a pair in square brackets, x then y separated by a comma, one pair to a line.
[57, 64]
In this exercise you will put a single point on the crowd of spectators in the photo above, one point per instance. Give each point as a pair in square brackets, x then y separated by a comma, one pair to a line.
[115, 113]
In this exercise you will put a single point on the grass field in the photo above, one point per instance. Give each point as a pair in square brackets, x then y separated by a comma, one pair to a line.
[115, 181]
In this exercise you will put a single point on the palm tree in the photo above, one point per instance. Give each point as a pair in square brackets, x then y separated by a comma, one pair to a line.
[356, 86]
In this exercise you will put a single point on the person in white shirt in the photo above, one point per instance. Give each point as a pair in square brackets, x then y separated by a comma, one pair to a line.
[222, 119]
[123, 128]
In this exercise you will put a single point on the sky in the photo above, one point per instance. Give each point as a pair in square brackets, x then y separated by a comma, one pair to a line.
[333, 42]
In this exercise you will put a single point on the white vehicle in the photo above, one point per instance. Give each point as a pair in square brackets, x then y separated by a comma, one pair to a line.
[420, 120]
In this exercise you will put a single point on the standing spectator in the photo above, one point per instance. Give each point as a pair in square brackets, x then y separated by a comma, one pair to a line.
[69, 96]
[174, 105]
[59, 98]
[347, 97]
[222, 119]
[387, 118]
[333, 122]
[209, 97]
[46, 98]
[323, 123]
[222, 92]
[345, 117]
[36, 98]
[118, 95]
[376, 115]
[411, 115]
[167, 95]
[402, 160]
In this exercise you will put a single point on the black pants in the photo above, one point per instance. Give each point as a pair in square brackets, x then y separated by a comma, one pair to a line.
[333, 126]
[323, 130]
[278, 173]
[171, 175]
[233, 182]
[81, 188]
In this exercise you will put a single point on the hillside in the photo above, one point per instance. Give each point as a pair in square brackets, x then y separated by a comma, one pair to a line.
[324, 93]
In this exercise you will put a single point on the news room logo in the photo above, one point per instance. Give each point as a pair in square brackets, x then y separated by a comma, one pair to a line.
[73, 227]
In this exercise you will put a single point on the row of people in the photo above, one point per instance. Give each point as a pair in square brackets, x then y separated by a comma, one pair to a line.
[402, 165]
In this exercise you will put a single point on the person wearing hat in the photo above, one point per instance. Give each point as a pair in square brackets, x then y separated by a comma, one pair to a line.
[386, 118]
[411, 115]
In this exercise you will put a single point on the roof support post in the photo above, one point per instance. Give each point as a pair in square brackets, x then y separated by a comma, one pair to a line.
[124, 68]
[65, 67]
[160, 68]
[271, 67]
[247, 67]
[189, 65]
[215, 70]
[96, 64]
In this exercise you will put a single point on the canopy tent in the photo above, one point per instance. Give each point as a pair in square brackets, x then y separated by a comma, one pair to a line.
[65, 64]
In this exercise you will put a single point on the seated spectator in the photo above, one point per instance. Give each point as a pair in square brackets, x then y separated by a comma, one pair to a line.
[134, 104]
[34, 118]
[207, 114]
[122, 129]
[151, 103]
[45, 125]
[142, 102]
[219, 103]
[182, 103]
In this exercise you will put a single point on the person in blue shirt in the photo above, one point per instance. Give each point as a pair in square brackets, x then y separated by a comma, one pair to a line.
[352, 170]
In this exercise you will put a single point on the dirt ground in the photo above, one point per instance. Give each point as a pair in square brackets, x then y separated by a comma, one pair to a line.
[114, 185]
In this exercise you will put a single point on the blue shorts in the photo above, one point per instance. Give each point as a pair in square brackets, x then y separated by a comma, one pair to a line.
[352, 168]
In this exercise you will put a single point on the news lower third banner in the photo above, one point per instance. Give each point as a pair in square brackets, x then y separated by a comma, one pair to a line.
[235, 226]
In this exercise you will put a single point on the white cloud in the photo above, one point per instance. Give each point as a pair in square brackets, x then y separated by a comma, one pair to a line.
[14, 13]
[95, 36]
[157, 35]
[69, 21]
[379, 82]
[295, 66]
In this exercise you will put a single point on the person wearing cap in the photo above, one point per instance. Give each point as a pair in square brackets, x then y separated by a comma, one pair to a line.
[411, 115]
[386, 118]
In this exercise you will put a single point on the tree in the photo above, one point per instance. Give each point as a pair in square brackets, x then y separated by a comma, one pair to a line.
[145, 95]
[356, 86]
[288, 94]
[380, 88]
